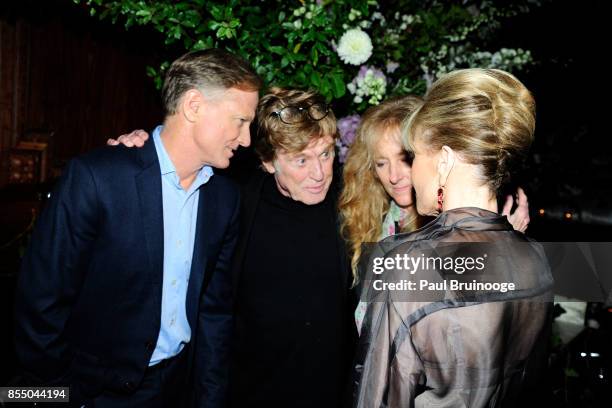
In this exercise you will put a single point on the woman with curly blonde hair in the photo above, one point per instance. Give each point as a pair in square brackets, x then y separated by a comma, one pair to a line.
[377, 197]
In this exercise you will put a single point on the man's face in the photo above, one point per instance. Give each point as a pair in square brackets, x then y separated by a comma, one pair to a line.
[222, 124]
[305, 176]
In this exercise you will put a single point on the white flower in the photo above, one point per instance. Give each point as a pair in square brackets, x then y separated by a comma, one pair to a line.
[355, 47]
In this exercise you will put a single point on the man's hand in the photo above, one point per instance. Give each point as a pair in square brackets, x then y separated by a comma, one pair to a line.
[520, 217]
[136, 138]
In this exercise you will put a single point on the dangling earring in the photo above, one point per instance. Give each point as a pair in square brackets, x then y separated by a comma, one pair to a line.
[440, 198]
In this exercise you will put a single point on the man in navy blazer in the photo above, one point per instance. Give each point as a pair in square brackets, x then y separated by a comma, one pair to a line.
[126, 288]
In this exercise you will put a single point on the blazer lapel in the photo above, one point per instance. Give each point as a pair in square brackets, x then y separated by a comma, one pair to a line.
[207, 208]
[148, 184]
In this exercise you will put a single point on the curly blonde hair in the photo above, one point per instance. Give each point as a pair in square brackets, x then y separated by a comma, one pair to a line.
[364, 202]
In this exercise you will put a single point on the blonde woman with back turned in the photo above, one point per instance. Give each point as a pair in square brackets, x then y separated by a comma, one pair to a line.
[468, 346]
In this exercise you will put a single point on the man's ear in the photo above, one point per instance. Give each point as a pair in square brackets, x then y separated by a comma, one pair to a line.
[269, 167]
[191, 103]
[446, 162]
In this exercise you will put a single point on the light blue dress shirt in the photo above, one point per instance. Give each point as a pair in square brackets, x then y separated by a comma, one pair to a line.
[180, 218]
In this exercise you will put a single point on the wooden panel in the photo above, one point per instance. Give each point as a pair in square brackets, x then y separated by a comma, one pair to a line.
[8, 113]
[64, 71]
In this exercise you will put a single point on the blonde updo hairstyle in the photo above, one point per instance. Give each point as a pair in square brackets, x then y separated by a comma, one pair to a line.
[486, 115]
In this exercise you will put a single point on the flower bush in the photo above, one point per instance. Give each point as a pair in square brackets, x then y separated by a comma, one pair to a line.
[372, 49]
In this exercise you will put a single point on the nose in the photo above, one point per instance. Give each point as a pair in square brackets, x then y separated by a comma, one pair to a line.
[244, 138]
[394, 174]
[316, 171]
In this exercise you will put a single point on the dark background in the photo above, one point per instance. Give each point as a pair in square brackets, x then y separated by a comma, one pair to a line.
[63, 71]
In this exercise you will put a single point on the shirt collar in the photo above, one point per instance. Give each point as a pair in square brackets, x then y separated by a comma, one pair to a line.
[167, 167]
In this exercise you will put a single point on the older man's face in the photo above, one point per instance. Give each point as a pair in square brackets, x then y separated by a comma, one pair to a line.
[305, 176]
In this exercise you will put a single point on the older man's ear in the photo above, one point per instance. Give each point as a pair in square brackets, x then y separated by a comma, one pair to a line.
[268, 167]
[137, 138]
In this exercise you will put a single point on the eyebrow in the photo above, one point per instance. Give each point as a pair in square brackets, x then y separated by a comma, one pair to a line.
[325, 150]
[301, 153]
[328, 147]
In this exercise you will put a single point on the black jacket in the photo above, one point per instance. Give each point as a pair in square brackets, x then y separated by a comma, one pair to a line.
[302, 345]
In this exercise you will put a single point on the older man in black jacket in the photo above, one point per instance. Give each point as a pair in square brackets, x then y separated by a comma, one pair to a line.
[294, 335]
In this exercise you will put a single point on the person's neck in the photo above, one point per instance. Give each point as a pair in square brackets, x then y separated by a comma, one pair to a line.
[466, 190]
[177, 140]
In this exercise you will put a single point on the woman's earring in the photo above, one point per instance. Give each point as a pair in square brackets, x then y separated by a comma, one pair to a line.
[440, 198]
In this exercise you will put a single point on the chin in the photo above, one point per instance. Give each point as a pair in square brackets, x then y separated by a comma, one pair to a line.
[403, 201]
[422, 210]
[221, 164]
[310, 199]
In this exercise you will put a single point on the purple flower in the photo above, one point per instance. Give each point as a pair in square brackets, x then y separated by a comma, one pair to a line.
[342, 151]
[347, 127]
[363, 70]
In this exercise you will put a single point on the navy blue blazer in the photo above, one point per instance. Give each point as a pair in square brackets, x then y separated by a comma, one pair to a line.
[88, 301]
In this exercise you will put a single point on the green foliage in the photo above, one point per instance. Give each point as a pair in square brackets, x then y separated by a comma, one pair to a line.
[293, 43]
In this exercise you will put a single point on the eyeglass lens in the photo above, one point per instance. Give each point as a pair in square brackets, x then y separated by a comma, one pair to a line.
[292, 114]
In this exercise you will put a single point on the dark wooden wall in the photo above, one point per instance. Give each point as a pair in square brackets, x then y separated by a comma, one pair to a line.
[64, 71]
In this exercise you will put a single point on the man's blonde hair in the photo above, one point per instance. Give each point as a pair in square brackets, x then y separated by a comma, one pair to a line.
[208, 70]
[273, 135]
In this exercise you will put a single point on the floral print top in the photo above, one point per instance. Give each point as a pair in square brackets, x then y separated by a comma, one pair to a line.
[395, 217]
